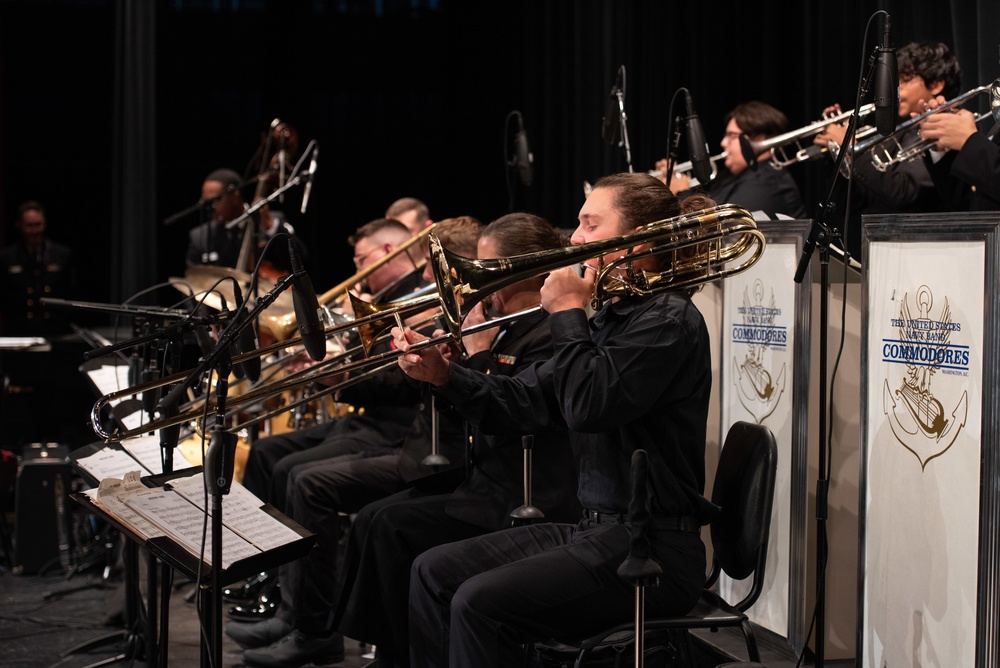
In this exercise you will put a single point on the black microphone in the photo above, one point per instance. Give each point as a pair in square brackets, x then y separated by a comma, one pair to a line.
[886, 86]
[246, 342]
[522, 154]
[701, 166]
[306, 307]
[309, 179]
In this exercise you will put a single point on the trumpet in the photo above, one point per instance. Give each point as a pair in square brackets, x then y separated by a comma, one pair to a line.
[686, 169]
[890, 150]
[787, 149]
[703, 246]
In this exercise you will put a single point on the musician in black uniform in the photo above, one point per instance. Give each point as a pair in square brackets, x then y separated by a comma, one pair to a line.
[964, 161]
[32, 268]
[386, 536]
[212, 243]
[756, 185]
[635, 375]
[357, 462]
[926, 69]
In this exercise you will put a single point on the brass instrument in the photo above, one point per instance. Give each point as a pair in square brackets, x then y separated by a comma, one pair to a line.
[889, 151]
[781, 145]
[703, 246]
[281, 324]
[686, 168]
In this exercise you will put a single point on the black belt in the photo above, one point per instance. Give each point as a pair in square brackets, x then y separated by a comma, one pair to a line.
[675, 523]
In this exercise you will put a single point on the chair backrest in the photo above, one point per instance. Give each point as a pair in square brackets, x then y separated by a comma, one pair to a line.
[744, 490]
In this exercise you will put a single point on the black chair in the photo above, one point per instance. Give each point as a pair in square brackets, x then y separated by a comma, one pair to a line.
[744, 490]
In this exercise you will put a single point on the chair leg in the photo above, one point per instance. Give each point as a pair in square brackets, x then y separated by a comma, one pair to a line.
[752, 650]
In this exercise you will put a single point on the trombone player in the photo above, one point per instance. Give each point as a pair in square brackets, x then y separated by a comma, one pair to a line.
[272, 458]
[637, 375]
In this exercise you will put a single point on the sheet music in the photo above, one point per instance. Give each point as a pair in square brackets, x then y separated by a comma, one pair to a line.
[110, 463]
[182, 521]
[109, 378]
[241, 512]
[146, 450]
[108, 496]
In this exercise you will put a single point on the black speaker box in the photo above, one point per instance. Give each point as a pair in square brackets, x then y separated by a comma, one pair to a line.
[41, 535]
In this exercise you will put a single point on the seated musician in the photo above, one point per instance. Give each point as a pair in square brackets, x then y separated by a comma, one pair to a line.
[353, 464]
[636, 375]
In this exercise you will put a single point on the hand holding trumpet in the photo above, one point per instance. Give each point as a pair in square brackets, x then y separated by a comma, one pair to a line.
[948, 131]
[833, 132]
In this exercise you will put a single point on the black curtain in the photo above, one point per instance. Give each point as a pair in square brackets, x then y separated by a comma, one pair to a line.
[133, 168]
[113, 112]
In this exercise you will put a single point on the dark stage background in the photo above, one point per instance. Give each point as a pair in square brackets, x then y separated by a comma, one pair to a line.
[113, 112]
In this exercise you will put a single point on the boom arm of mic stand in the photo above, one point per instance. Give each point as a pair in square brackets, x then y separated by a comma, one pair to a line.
[165, 332]
[226, 339]
[278, 192]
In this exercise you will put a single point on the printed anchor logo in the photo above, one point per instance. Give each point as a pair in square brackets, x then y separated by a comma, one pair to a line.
[756, 390]
[918, 419]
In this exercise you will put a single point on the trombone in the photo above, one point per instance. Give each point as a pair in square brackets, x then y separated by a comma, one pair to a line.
[703, 246]
[890, 150]
[282, 324]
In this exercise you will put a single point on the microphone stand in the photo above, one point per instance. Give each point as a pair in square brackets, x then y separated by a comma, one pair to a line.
[821, 235]
[623, 121]
[293, 181]
[526, 513]
[435, 458]
[219, 461]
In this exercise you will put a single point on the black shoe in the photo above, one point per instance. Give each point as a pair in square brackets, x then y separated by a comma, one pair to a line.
[249, 635]
[298, 649]
[251, 588]
[262, 607]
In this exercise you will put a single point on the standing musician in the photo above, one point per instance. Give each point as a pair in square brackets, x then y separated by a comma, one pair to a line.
[957, 159]
[926, 69]
[31, 268]
[387, 535]
[759, 186]
[636, 375]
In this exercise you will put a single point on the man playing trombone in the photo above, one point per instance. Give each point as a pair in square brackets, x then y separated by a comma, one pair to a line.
[341, 466]
[387, 535]
[636, 375]
[272, 458]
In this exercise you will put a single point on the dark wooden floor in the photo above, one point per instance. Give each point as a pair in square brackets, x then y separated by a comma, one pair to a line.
[51, 616]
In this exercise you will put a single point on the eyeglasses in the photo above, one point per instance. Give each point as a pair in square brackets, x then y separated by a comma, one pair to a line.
[729, 136]
[359, 260]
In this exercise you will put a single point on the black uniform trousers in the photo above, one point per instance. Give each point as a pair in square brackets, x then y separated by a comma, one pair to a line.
[318, 493]
[374, 582]
[480, 602]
